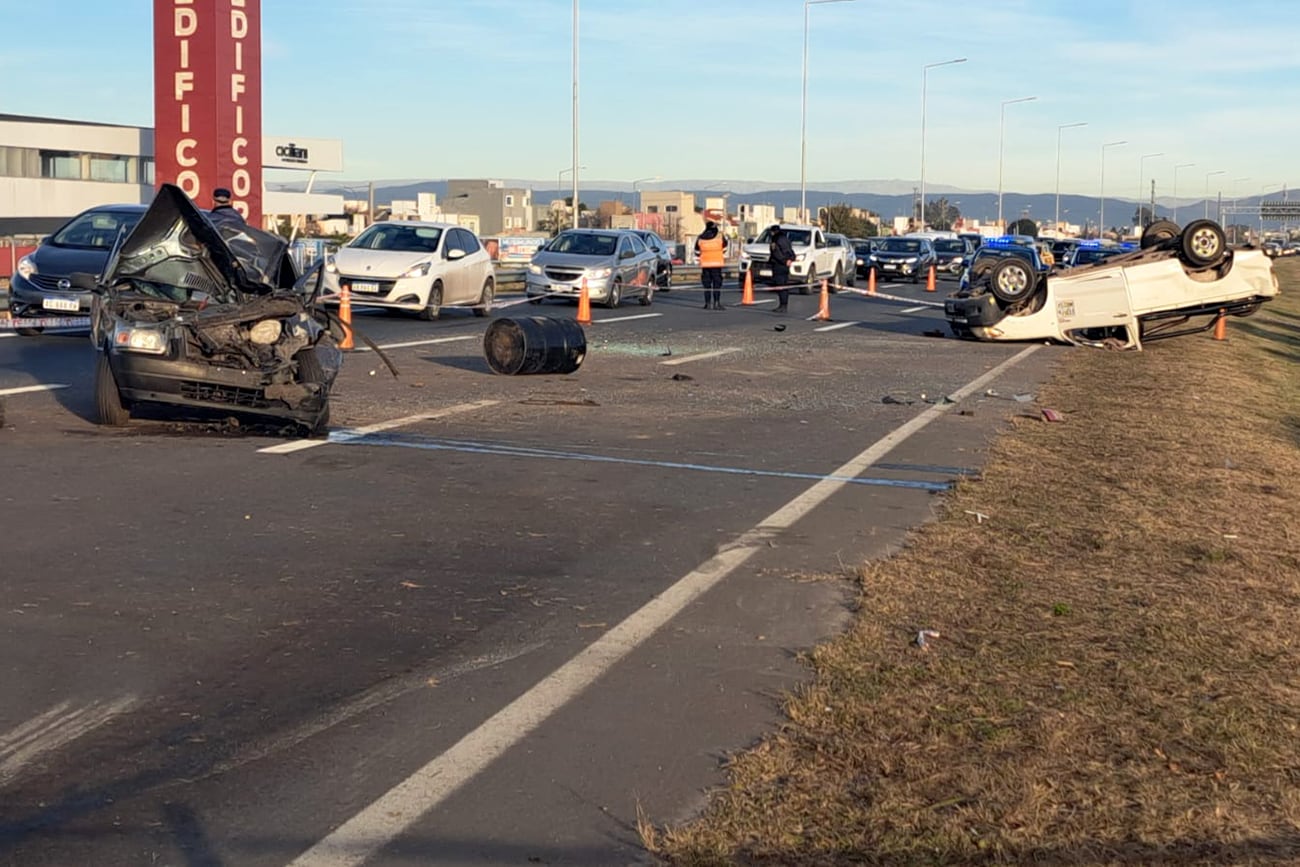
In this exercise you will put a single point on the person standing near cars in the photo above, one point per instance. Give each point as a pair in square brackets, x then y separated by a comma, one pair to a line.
[780, 254]
[710, 249]
[223, 213]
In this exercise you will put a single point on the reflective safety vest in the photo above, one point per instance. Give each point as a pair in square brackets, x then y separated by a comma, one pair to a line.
[711, 252]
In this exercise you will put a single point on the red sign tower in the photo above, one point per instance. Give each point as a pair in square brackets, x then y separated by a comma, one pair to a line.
[208, 100]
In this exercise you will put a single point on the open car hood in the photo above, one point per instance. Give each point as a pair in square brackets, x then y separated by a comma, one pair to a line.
[174, 245]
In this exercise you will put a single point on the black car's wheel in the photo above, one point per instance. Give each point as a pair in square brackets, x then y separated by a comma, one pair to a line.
[1159, 232]
[1012, 280]
[1203, 243]
[615, 294]
[110, 409]
[486, 298]
[433, 306]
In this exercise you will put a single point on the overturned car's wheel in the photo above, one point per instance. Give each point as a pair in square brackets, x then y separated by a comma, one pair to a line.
[109, 407]
[1203, 243]
[1159, 232]
[1012, 280]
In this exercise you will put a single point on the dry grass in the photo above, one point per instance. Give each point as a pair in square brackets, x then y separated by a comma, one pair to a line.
[1117, 676]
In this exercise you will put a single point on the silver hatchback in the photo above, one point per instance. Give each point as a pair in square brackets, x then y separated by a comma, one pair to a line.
[614, 263]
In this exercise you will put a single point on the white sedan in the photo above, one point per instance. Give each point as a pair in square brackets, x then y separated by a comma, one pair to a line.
[1179, 283]
[419, 267]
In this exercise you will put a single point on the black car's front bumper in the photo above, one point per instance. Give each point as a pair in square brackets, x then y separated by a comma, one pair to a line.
[182, 382]
[27, 300]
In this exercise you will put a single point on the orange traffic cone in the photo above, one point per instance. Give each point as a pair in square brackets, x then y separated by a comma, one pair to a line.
[871, 281]
[747, 295]
[1221, 327]
[824, 312]
[345, 316]
[929, 280]
[584, 304]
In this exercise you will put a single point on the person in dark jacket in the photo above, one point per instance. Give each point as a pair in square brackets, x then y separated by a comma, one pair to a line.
[223, 213]
[780, 255]
[710, 249]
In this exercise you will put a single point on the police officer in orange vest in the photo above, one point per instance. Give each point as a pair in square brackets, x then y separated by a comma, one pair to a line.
[710, 248]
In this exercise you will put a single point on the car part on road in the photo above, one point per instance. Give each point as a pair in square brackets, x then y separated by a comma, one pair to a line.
[534, 344]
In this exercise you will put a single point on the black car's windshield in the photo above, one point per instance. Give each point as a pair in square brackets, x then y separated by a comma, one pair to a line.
[399, 239]
[95, 229]
[948, 245]
[901, 245]
[583, 244]
[797, 236]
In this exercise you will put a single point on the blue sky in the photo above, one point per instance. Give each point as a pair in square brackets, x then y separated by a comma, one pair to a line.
[678, 89]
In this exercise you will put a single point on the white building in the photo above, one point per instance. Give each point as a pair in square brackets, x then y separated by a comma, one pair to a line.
[51, 170]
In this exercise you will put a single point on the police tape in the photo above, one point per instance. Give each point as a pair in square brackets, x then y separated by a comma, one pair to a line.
[497, 304]
[916, 302]
[68, 322]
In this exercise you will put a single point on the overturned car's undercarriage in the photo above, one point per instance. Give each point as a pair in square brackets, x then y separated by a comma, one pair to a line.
[189, 317]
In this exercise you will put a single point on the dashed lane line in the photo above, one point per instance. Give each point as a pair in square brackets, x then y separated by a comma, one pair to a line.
[29, 389]
[625, 318]
[837, 326]
[349, 434]
[686, 359]
[394, 812]
[915, 309]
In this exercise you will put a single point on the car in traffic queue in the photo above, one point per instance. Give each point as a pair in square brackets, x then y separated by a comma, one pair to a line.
[862, 250]
[903, 256]
[664, 252]
[613, 264]
[1179, 281]
[43, 285]
[849, 258]
[418, 267]
[950, 255]
[1092, 252]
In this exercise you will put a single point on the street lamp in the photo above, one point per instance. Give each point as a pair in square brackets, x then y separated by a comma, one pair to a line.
[1061, 127]
[1002, 129]
[924, 70]
[1236, 189]
[1141, 164]
[1176, 168]
[1209, 175]
[803, 123]
[1101, 219]
[638, 181]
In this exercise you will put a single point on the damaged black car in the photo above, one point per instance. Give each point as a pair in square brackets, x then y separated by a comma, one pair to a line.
[210, 321]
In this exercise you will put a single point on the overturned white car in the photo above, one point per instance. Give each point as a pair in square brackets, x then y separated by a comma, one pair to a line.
[1178, 283]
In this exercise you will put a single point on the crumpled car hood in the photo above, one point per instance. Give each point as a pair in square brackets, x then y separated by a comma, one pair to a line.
[175, 245]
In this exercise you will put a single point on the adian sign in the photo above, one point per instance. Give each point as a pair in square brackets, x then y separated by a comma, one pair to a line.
[307, 154]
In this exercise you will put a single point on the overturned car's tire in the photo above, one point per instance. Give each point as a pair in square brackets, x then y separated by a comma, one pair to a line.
[1159, 232]
[1012, 280]
[110, 410]
[1203, 243]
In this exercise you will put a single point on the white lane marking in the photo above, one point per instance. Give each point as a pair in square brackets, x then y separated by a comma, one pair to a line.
[836, 326]
[385, 819]
[625, 318]
[757, 301]
[55, 728]
[28, 389]
[915, 309]
[7, 334]
[379, 427]
[685, 359]
[419, 342]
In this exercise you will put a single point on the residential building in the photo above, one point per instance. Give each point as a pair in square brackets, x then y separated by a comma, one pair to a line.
[678, 210]
[501, 210]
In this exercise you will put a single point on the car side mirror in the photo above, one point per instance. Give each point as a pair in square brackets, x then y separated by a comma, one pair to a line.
[454, 254]
[749, 240]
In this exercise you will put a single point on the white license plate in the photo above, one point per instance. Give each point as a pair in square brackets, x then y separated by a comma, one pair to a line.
[69, 304]
[365, 287]
[891, 267]
[765, 272]
[560, 287]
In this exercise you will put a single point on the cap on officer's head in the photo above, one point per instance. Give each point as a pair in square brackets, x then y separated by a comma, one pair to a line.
[221, 195]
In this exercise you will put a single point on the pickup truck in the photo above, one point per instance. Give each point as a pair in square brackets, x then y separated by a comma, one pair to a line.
[816, 258]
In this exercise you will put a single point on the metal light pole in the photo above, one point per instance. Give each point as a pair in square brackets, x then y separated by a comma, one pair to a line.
[559, 180]
[1002, 130]
[1236, 192]
[924, 70]
[575, 114]
[638, 181]
[1101, 218]
[1209, 175]
[803, 122]
[1059, 128]
[1142, 164]
[1176, 168]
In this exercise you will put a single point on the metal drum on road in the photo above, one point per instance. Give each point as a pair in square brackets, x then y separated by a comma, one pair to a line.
[534, 344]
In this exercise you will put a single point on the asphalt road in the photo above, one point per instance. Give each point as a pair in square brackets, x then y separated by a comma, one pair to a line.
[544, 602]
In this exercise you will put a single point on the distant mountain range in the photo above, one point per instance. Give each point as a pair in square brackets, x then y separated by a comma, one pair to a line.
[889, 198]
